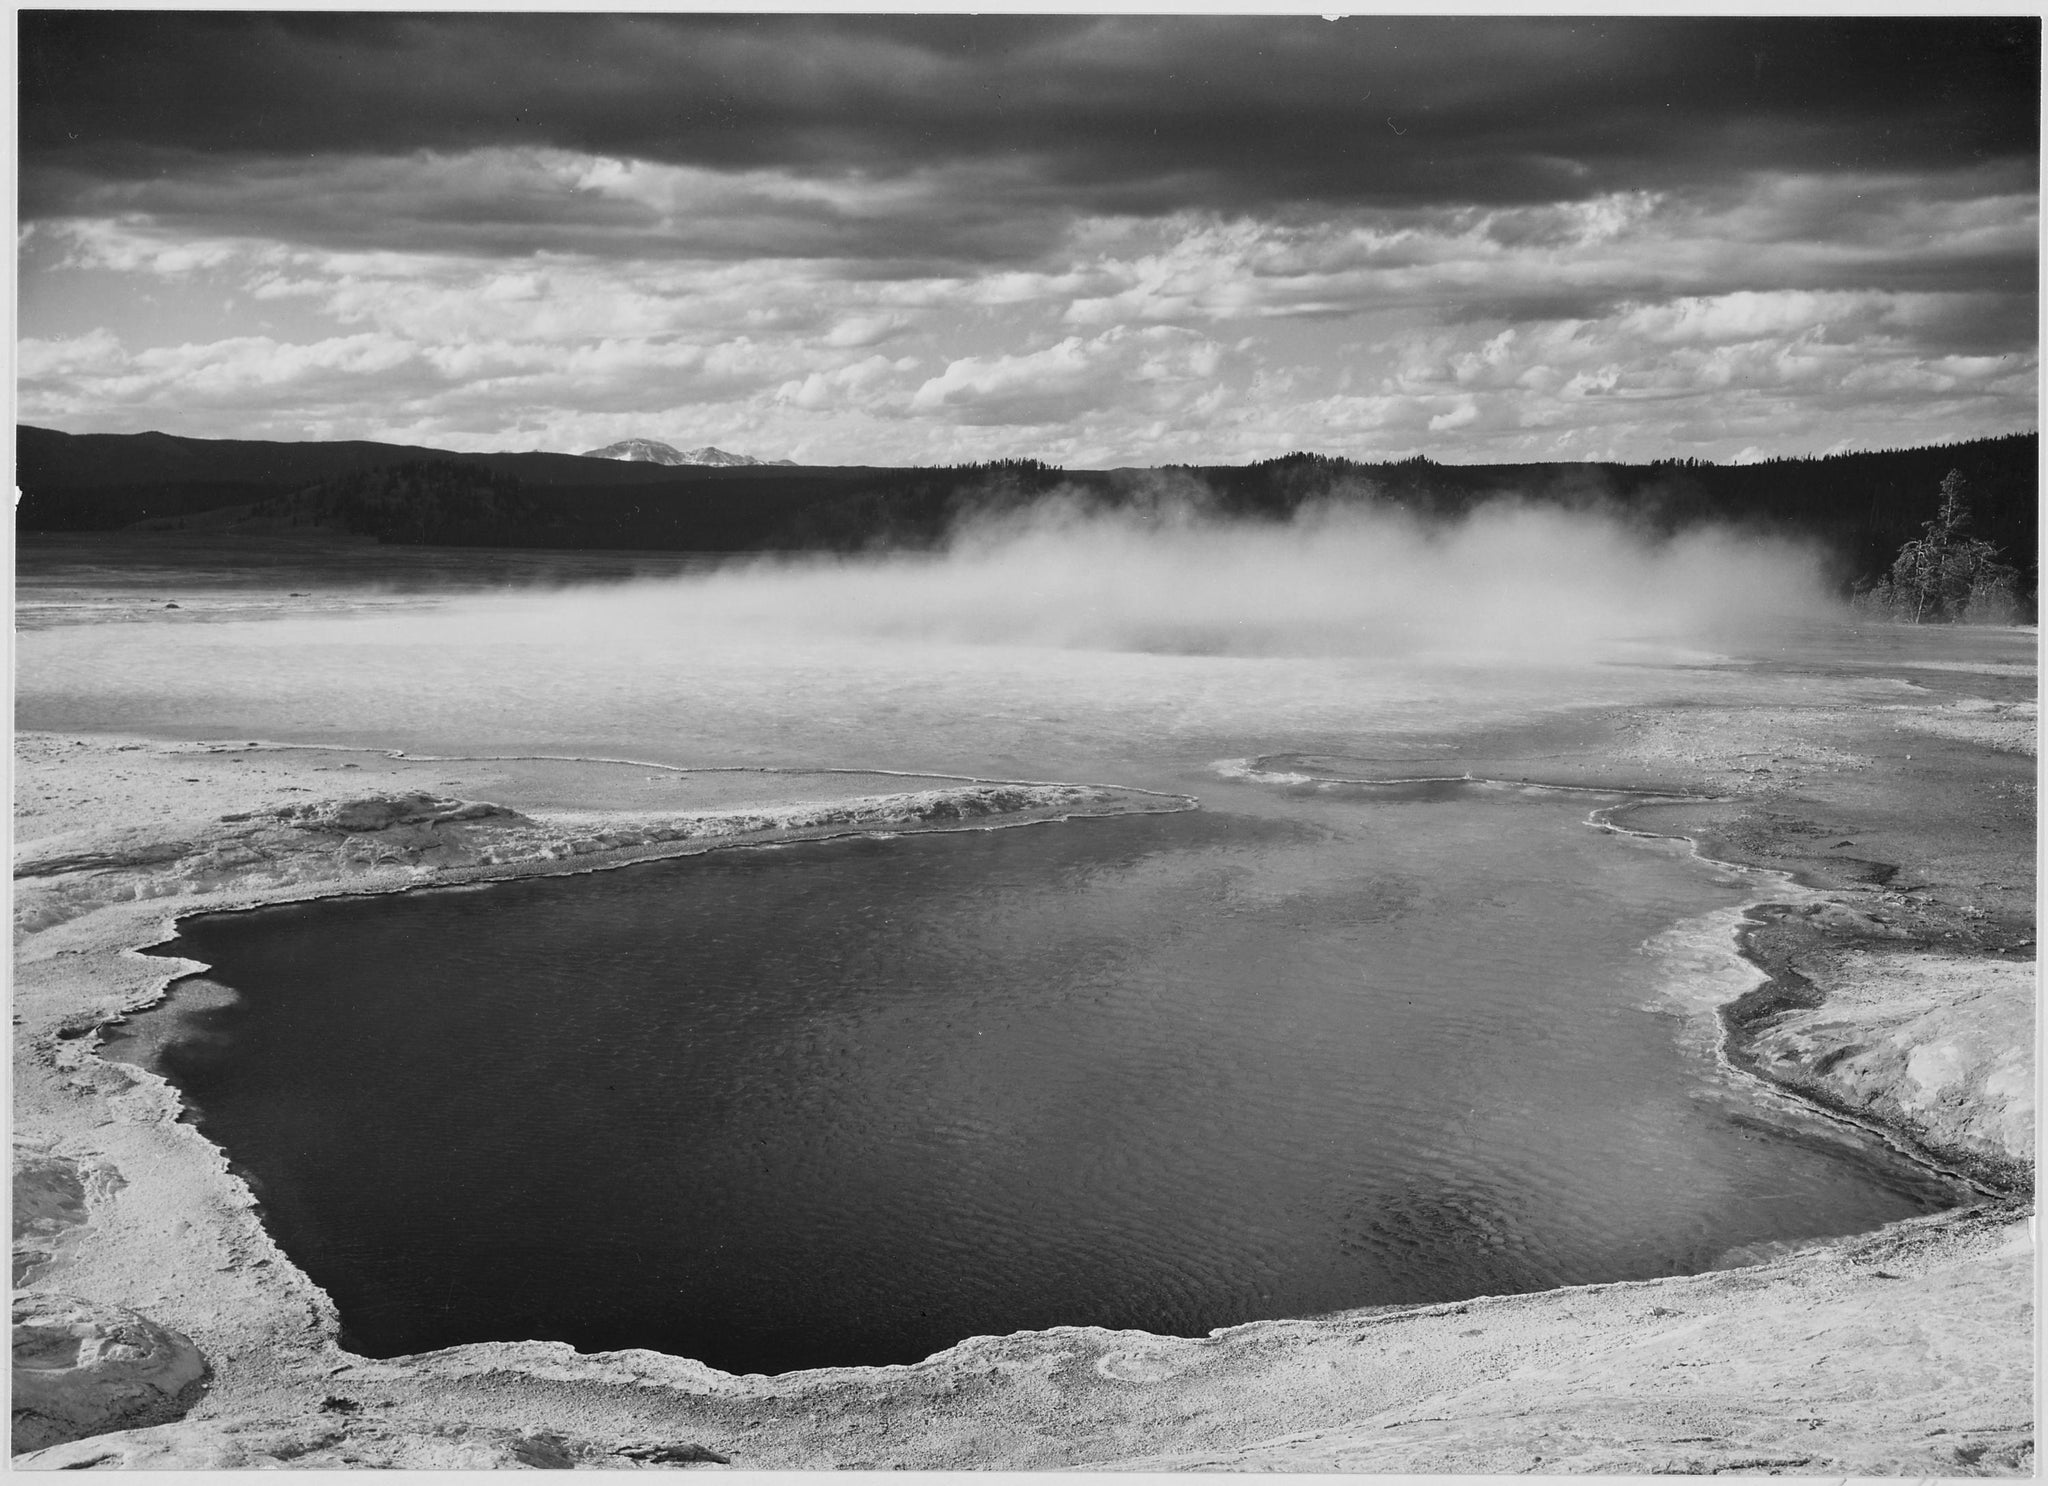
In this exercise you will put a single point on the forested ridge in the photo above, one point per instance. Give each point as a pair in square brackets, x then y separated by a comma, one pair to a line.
[1864, 506]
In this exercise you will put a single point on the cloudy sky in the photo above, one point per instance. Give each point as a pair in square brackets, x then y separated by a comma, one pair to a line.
[894, 239]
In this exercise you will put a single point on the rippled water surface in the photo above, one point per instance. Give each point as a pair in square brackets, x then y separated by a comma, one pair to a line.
[1296, 1051]
[852, 1102]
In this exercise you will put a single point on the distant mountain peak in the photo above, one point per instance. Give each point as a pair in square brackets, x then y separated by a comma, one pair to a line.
[653, 451]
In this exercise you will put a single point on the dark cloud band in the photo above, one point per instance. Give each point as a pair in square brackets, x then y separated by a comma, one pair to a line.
[1120, 115]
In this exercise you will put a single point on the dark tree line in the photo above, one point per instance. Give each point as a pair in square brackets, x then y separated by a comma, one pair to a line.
[432, 502]
[1864, 506]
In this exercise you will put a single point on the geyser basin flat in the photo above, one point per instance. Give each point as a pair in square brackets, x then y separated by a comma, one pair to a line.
[852, 1102]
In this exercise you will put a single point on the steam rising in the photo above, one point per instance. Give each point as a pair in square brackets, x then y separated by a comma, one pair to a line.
[1063, 643]
[1509, 579]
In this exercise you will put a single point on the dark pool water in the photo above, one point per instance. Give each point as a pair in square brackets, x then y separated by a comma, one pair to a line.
[852, 1102]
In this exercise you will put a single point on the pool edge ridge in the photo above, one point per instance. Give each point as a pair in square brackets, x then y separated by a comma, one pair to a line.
[82, 962]
[1872, 972]
[283, 1392]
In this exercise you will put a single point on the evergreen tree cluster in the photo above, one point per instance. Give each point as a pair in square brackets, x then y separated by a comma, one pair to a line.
[1863, 507]
[918, 509]
[1019, 467]
[1944, 576]
[427, 501]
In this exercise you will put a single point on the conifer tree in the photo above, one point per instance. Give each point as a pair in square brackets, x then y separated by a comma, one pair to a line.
[1944, 574]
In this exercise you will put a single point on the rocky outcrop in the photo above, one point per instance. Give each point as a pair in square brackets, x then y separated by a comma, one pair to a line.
[332, 1440]
[1900, 987]
[1936, 1046]
[382, 812]
[52, 1202]
[82, 1368]
[402, 839]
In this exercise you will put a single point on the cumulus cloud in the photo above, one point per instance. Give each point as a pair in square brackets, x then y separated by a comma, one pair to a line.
[1155, 368]
[1178, 239]
[854, 384]
[771, 345]
[1541, 262]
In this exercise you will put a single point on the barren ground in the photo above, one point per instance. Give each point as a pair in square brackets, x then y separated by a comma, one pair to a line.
[163, 1328]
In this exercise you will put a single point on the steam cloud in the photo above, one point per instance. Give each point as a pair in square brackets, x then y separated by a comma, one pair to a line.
[1062, 643]
[1507, 579]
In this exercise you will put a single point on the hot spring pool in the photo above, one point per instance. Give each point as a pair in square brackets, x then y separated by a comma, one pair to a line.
[851, 1102]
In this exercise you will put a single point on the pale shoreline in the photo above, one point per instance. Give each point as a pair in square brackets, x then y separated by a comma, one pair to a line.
[168, 1232]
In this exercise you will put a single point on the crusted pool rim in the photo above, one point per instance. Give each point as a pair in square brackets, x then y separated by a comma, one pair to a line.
[167, 1230]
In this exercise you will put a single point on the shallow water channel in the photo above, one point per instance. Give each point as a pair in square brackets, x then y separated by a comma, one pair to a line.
[851, 1102]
